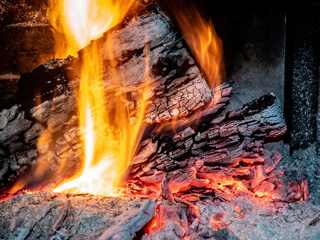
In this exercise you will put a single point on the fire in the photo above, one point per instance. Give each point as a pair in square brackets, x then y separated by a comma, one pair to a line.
[77, 22]
[203, 42]
[109, 138]
[109, 141]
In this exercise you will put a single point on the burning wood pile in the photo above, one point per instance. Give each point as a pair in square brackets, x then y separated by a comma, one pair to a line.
[154, 127]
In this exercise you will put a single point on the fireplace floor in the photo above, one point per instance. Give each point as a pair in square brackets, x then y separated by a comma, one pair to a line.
[45, 215]
[303, 164]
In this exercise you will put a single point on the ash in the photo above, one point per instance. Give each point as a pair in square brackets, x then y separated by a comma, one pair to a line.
[245, 219]
[303, 164]
[45, 215]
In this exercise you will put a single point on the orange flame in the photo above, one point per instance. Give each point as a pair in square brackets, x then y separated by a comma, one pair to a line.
[109, 139]
[204, 43]
[77, 22]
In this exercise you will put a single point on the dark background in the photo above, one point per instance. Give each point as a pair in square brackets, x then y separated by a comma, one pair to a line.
[271, 46]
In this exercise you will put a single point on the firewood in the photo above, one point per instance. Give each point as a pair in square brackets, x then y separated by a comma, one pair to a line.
[46, 98]
[236, 136]
[200, 157]
[189, 150]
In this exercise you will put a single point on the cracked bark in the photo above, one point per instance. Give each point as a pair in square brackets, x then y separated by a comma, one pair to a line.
[196, 156]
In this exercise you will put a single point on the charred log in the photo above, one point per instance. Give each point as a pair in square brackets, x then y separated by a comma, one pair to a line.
[131, 223]
[216, 157]
[46, 101]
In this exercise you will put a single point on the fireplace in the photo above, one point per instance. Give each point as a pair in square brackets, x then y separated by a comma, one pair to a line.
[161, 125]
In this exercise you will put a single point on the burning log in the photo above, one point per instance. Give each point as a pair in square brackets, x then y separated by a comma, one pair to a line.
[216, 156]
[190, 149]
[43, 124]
[175, 85]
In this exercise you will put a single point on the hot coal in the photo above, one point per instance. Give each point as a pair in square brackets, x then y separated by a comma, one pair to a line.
[216, 155]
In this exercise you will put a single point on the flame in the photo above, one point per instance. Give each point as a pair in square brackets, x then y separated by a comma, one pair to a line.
[109, 138]
[77, 22]
[203, 42]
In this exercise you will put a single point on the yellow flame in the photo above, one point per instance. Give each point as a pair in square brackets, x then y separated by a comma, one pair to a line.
[203, 42]
[108, 132]
[77, 22]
